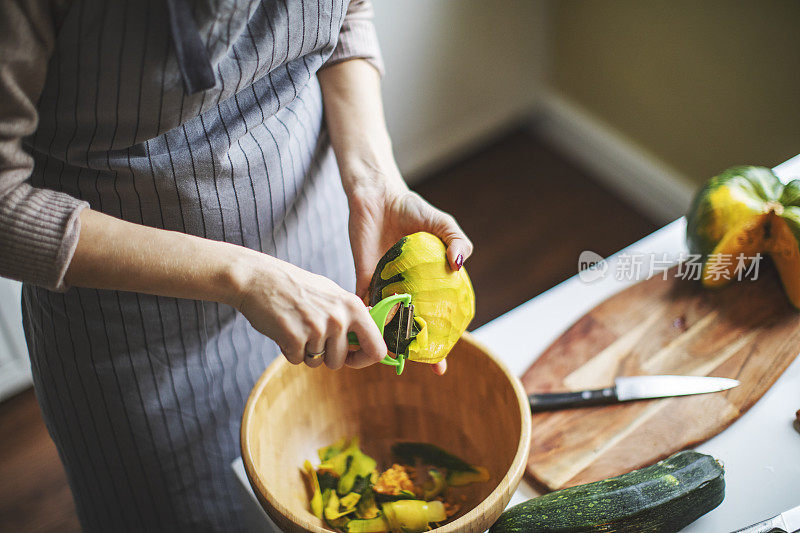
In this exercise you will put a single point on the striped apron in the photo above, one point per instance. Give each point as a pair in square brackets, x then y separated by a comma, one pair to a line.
[142, 394]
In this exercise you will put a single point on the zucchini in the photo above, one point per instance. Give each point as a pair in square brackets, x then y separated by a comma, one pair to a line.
[413, 516]
[459, 472]
[458, 478]
[331, 504]
[350, 500]
[661, 498]
[337, 508]
[358, 473]
[377, 524]
[316, 493]
[327, 480]
[328, 452]
[338, 464]
[367, 507]
[435, 485]
[350, 467]
[381, 497]
[408, 452]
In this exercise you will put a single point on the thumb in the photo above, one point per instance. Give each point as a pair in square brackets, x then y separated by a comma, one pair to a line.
[444, 226]
[363, 279]
[365, 265]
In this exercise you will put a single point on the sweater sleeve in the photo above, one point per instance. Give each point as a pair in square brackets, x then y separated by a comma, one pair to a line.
[39, 228]
[357, 38]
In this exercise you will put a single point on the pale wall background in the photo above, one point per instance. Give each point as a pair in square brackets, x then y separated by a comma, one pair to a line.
[703, 85]
[694, 85]
[457, 72]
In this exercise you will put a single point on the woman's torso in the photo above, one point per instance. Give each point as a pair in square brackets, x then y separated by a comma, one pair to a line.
[142, 394]
[118, 130]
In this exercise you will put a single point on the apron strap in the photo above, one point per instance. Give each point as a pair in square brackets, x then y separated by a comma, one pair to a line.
[192, 55]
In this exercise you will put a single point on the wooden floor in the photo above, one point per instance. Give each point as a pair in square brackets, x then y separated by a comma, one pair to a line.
[34, 495]
[528, 210]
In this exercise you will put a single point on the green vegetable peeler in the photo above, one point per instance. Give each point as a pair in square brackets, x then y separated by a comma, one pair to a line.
[406, 319]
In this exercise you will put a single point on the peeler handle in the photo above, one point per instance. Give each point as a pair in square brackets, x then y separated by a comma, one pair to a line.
[379, 313]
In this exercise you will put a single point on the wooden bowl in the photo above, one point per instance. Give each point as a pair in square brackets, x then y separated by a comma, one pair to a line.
[477, 410]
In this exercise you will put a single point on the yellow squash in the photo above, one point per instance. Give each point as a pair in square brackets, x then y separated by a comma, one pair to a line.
[743, 212]
[443, 299]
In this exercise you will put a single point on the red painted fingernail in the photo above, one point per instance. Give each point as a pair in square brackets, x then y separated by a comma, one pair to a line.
[459, 261]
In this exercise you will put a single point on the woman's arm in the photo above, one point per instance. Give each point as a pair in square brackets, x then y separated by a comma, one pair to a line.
[119, 255]
[301, 311]
[382, 209]
[351, 93]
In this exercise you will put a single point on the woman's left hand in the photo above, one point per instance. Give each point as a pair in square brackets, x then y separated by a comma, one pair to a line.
[382, 211]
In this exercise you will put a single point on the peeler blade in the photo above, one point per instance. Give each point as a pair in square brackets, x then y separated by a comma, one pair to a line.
[401, 311]
[404, 331]
[409, 321]
[401, 322]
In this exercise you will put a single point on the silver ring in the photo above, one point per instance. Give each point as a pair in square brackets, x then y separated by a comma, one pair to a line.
[314, 356]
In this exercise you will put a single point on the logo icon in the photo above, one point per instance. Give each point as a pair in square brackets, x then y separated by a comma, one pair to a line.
[591, 266]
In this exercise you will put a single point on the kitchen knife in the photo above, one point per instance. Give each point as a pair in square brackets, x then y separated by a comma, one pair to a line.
[787, 522]
[631, 388]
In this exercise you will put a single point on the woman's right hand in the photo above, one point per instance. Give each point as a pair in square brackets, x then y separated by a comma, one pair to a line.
[305, 313]
[299, 310]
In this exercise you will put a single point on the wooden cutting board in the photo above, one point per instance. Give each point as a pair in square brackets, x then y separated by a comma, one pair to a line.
[747, 331]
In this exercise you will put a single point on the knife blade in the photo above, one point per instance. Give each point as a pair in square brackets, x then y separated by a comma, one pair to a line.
[631, 388]
[787, 521]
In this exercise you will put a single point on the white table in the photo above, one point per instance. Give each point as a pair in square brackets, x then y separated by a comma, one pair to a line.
[760, 451]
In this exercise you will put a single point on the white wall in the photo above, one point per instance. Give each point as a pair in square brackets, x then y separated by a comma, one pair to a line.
[14, 363]
[457, 72]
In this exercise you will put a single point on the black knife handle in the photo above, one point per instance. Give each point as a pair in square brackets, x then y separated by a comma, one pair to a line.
[562, 400]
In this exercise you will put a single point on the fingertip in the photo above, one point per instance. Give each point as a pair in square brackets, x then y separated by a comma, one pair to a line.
[313, 363]
[376, 356]
[354, 359]
[361, 359]
[373, 345]
[439, 368]
[455, 257]
[334, 365]
[294, 358]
